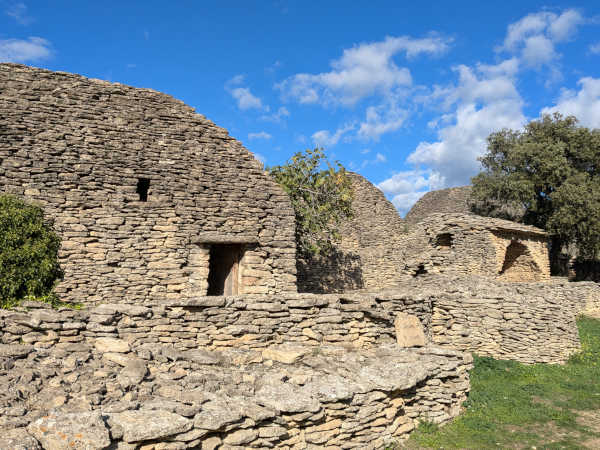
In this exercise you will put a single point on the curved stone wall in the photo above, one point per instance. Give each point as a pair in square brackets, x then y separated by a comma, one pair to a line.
[367, 255]
[141, 188]
[451, 200]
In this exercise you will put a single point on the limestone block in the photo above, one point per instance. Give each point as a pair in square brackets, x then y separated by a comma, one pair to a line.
[286, 354]
[105, 344]
[68, 431]
[145, 425]
[409, 331]
[18, 439]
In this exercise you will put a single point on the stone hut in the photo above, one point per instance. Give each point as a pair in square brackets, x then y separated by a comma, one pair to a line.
[367, 255]
[450, 200]
[475, 245]
[152, 200]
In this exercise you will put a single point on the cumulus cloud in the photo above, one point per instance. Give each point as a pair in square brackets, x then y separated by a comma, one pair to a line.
[259, 135]
[595, 48]
[25, 50]
[583, 104]
[406, 187]
[484, 100]
[380, 158]
[324, 138]
[534, 36]
[382, 119]
[361, 71]
[245, 99]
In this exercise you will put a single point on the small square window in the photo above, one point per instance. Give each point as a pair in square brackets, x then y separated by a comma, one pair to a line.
[143, 185]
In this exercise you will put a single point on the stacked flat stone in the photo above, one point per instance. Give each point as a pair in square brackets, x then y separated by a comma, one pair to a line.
[474, 245]
[366, 257]
[83, 149]
[450, 200]
[108, 391]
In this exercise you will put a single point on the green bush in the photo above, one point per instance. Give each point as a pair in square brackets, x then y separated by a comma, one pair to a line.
[28, 253]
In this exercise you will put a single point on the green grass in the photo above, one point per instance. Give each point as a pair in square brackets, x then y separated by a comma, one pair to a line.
[51, 299]
[513, 405]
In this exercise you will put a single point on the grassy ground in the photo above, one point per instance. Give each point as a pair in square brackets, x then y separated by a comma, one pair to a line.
[513, 405]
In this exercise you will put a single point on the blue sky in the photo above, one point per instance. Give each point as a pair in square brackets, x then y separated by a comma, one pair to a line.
[404, 93]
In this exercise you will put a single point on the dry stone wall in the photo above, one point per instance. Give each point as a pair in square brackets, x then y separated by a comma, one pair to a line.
[80, 378]
[367, 255]
[286, 371]
[526, 322]
[451, 200]
[141, 189]
[468, 244]
[249, 322]
[452, 310]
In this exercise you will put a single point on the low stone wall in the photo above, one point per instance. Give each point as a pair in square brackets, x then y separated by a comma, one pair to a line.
[105, 392]
[250, 322]
[526, 322]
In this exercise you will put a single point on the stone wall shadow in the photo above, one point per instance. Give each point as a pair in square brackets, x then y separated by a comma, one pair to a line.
[336, 272]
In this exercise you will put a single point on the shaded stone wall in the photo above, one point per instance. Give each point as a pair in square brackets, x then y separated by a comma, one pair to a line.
[83, 149]
[467, 244]
[367, 255]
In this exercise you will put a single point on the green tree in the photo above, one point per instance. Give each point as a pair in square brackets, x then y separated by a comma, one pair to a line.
[28, 252]
[321, 194]
[547, 175]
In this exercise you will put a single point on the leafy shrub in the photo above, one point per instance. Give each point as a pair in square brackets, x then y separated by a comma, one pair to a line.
[321, 195]
[28, 253]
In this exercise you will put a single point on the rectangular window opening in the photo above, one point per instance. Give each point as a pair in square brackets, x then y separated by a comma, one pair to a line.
[223, 271]
[143, 185]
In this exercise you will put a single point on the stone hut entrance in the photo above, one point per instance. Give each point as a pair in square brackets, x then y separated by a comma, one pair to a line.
[223, 272]
[519, 264]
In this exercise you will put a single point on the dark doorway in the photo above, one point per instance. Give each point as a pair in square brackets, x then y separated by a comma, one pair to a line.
[515, 253]
[223, 273]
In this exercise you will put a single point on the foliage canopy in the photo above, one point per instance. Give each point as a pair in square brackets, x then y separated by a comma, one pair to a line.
[28, 253]
[321, 195]
[547, 175]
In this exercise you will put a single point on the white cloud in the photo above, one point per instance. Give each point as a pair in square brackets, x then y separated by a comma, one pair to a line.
[382, 119]
[18, 11]
[380, 158]
[324, 138]
[535, 35]
[361, 71]
[595, 48]
[583, 104]
[407, 187]
[21, 51]
[245, 98]
[236, 80]
[278, 116]
[484, 100]
[259, 135]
